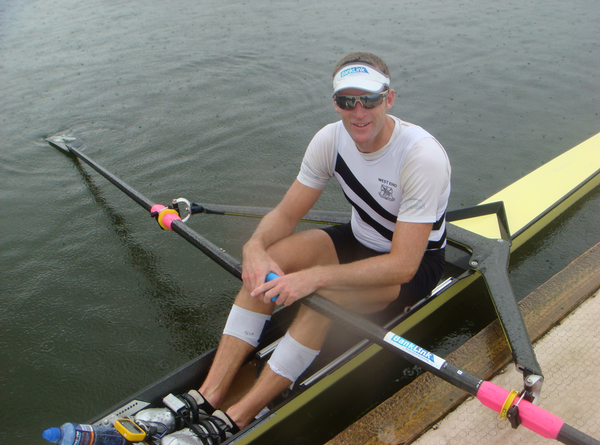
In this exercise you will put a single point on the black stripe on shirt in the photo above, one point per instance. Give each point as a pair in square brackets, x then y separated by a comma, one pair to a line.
[435, 245]
[383, 231]
[342, 169]
[438, 224]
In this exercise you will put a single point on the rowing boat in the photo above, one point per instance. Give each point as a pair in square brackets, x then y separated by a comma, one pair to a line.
[480, 240]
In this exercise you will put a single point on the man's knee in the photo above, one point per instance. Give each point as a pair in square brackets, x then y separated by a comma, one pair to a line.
[245, 325]
[291, 358]
[302, 250]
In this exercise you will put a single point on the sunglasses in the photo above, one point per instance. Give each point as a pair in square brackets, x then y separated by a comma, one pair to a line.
[367, 101]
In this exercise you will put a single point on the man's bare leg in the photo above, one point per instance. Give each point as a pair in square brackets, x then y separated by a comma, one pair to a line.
[310, 329]
[310, 248]
[230, 354]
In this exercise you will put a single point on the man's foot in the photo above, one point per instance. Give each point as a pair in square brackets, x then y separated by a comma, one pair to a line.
[210, 430]
[197, 402]
[181, 411]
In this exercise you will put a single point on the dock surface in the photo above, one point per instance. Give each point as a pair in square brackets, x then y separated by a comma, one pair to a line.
[563, 319]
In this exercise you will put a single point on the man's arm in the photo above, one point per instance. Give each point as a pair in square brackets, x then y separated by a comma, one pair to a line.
[348, 280]
[276, 225]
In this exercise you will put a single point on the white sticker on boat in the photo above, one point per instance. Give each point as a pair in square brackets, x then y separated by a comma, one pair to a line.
[414, 350]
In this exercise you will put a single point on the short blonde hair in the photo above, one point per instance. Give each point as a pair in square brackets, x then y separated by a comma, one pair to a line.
[366, 58]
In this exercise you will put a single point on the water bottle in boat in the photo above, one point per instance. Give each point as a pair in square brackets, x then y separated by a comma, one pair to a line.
[81, 434]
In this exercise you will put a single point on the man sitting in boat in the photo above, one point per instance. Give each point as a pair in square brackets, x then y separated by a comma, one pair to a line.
[396, 176]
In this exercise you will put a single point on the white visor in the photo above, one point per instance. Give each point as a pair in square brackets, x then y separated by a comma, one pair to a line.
[362, 77]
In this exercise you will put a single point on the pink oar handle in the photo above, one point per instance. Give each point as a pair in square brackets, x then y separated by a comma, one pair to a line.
[532, 417]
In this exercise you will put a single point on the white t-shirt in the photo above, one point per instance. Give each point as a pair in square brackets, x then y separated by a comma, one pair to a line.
[407, 180]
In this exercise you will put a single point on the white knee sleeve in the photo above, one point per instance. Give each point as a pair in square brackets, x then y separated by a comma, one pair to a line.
[245, 325]
[290, 358]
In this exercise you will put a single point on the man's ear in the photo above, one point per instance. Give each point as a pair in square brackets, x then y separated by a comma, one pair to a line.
[390, 99]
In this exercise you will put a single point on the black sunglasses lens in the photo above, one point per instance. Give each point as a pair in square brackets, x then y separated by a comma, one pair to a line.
[345, 102]
[371, 100]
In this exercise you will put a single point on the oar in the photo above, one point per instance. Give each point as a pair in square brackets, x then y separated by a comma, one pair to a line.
[167, 218]
[520, 412]
[314, 216]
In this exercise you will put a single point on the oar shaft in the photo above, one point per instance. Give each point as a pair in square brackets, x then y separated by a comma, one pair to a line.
[572, 436]
[122, 185]
[394, 343]
[313, 216]
[489, 394]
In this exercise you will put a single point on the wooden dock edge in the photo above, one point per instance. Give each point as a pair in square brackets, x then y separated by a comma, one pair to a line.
[417, 407]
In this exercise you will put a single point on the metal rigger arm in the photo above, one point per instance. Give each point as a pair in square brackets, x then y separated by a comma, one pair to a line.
[490, 258]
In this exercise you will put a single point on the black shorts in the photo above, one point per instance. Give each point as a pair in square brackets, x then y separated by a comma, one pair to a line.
[428, 275]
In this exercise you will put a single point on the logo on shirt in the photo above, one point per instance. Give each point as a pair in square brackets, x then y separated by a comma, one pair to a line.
[413, 204]
[387, 192]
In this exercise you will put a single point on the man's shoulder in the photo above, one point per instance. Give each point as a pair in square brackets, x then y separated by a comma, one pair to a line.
[328, 134]
[331, 127]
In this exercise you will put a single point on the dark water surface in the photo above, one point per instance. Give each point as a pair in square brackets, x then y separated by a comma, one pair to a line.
[216, 101]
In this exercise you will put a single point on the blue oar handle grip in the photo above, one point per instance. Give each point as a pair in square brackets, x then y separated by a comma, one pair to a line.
[270, 277]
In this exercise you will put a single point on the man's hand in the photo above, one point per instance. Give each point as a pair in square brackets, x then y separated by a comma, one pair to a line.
[256, 265]
[274, 227]
[287, 288]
